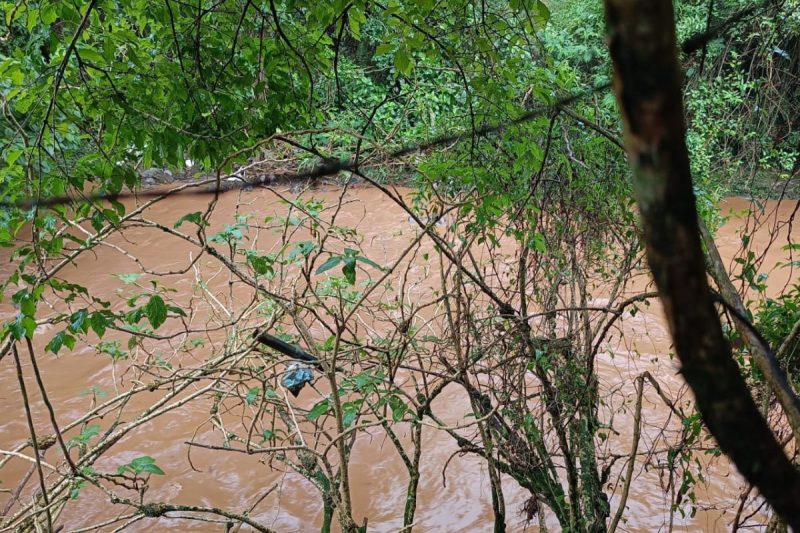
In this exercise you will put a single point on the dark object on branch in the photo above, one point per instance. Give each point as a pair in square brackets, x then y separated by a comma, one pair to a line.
[285, 348]
[296, 376]
[647, 83]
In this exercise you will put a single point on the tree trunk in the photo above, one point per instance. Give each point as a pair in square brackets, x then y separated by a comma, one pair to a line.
[648, 87]
[764, 360]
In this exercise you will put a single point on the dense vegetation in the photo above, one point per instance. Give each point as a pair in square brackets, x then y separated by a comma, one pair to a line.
[497, 119]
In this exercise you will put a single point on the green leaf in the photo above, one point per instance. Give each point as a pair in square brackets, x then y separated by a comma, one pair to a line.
[60, 339]
[98, 323]
[75, 491]
[370, 262]
[541, 14]
[349, 271]
[195, 218]
[69, 341]
[319, 409]
[112, 348]
[260, 264]
[355, 25]
[252, 395]
[399, 408]
[77, 322]
[156, 311]
[55, 343]
[537, 243]
[22, 327]
[329, 264]
[48, 14]
[12, 156]
[144, 464]
[176, 310]
[90, 55]
[86, 435]
[94, 390]
[6, 238]
[128, 279]
[349, 416]
[26, 302]
[402, 61]
[303, 248]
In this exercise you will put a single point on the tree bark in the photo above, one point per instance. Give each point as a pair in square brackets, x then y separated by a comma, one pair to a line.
[647, 84]
[764, 359]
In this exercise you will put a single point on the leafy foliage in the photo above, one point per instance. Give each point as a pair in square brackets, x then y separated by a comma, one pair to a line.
[775, 321]
[95, 92]
[141, 465]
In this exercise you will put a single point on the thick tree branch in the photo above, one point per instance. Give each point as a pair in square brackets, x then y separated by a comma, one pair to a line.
[763, 358]
[648, 87]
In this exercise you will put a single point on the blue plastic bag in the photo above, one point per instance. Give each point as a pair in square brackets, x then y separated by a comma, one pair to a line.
[296, 376]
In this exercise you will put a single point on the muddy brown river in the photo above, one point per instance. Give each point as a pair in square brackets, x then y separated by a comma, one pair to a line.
[459, 501]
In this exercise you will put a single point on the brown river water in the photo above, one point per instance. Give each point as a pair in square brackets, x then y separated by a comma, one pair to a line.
[378, 477]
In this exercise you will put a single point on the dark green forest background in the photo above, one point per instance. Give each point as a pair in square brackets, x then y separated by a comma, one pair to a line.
[496, 115]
